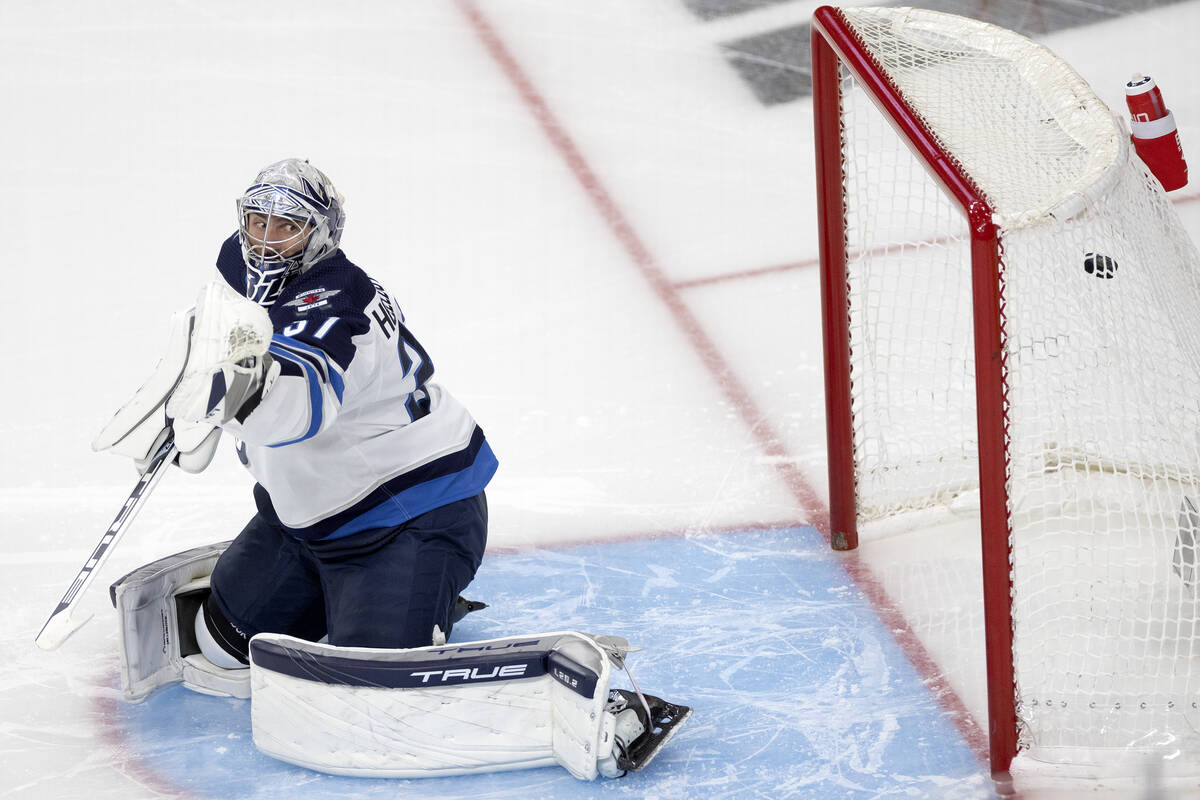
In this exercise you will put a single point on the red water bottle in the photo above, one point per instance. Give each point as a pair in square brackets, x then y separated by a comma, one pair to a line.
[1155, 136]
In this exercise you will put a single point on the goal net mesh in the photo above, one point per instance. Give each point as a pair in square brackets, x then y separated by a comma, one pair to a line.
[1100, 314]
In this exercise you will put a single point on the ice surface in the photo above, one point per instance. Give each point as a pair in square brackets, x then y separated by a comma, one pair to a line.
[617, 406]
[796, 686]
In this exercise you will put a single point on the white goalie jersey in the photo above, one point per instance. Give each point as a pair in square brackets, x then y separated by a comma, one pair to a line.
[351, 434]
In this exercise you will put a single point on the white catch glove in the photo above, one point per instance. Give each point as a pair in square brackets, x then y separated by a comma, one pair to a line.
[228, 362]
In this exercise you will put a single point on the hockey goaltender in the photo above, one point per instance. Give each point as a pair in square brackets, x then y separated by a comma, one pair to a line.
[331, 609]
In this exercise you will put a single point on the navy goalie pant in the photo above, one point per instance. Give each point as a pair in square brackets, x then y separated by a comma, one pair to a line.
[386, 587]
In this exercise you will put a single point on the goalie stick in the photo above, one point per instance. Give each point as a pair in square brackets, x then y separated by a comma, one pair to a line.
[60, 625]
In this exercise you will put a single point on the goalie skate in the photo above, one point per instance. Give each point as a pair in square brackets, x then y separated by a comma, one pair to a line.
[638, 738]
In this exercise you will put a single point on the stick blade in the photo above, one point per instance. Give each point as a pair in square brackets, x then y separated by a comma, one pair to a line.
[58, 629]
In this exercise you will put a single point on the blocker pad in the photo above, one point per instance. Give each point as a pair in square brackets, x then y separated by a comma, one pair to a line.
[150, 603]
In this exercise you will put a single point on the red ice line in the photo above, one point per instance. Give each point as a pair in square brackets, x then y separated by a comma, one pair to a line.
[723, 277]
[735, 392]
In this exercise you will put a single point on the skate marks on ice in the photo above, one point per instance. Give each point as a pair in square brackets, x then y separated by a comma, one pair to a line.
[798, 690]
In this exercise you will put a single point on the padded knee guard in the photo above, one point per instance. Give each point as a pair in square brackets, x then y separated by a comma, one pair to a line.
[218, 639]
[156, 608]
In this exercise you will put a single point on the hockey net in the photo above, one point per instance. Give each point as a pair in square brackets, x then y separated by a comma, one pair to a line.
[1094, 290]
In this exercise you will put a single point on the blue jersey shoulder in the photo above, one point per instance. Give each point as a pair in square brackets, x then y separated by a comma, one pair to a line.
[324, 307]
[231, 265]
[333, 287]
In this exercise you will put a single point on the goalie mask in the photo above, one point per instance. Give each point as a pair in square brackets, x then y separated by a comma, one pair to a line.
[290, 219]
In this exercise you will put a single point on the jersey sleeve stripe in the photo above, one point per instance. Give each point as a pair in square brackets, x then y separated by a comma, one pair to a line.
[326, 355]
[315, 397]
[326, 369]
[282, 342]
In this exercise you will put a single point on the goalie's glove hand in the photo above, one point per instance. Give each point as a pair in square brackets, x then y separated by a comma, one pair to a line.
[228, 366]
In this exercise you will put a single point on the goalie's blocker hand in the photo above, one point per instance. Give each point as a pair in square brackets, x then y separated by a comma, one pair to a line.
[142, 426]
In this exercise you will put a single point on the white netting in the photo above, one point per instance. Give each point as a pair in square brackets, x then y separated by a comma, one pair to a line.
[1102, 339]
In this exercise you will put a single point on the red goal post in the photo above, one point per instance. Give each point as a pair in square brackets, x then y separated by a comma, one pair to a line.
[998, 272]
[834, 45]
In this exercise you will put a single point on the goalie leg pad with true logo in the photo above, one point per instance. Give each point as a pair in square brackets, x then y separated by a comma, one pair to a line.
[493, 705]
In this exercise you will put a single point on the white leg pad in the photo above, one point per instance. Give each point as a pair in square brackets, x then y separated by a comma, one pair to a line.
[148, 602]
[484, 706]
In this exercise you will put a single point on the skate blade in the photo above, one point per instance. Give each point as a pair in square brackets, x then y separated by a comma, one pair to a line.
[667, 719]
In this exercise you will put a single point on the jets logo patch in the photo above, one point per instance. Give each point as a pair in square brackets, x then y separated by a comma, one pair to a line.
[314, 299]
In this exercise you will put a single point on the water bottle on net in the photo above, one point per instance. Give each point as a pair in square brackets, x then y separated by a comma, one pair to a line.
[1155, 136]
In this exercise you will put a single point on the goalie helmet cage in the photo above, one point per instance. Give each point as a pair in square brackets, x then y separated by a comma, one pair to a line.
[1010, 314]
